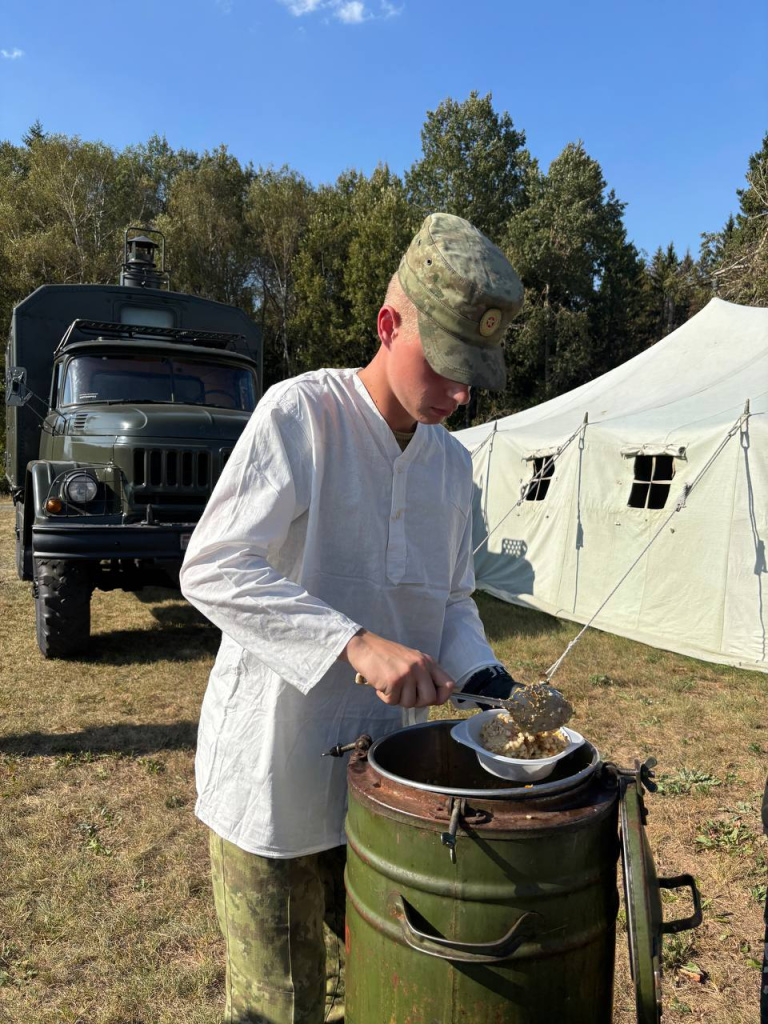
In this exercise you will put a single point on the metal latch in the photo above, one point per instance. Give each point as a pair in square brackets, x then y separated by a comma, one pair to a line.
[457, 811]
[361, 746]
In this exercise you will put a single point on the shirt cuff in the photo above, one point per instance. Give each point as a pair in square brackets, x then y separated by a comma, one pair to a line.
[463, 679]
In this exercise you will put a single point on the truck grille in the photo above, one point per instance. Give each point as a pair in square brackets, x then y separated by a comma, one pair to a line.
[176, 474]
[156, 467]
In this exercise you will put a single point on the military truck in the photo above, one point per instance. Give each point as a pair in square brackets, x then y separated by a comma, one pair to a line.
[123, 404]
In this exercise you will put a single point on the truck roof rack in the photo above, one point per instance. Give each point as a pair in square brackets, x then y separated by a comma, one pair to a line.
[208, 339]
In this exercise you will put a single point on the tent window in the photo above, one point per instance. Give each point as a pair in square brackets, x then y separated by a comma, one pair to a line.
[653, 479]
[543, 470]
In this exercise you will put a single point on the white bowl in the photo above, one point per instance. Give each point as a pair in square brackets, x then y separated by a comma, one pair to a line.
[519, 769]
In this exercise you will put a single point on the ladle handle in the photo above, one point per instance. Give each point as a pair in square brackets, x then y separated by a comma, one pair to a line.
[462, 952]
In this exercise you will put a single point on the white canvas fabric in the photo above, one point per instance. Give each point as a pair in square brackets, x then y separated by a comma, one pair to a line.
[702, 589]
[320, 524]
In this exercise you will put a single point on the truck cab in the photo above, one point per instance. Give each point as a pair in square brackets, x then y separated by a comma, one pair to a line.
[123, 405]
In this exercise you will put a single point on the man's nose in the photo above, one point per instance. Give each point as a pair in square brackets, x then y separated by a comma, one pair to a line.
[459, 392]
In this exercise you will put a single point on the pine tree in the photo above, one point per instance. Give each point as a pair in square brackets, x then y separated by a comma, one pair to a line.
[581, 277]
[33, 134]
[473, 164]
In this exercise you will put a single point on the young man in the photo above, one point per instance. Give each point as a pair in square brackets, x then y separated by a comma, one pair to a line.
[337, 541]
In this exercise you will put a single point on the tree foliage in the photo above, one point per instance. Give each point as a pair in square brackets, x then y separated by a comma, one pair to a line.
[278, 207]
[473, 164]
[581, 279]
[206, 229]
[736, 258]
[357, 233]
[312, 263]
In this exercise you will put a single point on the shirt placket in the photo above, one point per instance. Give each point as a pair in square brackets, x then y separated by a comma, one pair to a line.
[396, 546]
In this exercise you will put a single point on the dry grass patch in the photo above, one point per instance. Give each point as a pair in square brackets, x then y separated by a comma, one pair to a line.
[105, 913]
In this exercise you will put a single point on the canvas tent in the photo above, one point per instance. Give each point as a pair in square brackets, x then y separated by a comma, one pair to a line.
[655, 426]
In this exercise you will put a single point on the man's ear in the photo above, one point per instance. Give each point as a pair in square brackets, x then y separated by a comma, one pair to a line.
[388, 322]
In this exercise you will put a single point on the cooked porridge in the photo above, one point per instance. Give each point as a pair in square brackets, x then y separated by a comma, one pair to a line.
[502, 735]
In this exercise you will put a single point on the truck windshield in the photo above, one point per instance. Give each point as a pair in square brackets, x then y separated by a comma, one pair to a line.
[147, 378]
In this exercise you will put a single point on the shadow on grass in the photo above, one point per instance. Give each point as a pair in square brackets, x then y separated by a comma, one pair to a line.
[127, 738]
[159, 595]
[505, 621]
[181, 641]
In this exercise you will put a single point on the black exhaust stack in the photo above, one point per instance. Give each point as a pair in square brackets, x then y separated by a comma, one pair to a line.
[139, 267]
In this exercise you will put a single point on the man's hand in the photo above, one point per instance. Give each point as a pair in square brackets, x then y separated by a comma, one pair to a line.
[399, 674]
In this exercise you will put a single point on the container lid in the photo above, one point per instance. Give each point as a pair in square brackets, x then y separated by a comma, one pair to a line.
[642, 894]
[643, 902]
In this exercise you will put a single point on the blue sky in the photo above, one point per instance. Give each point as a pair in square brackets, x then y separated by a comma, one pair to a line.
[670, 97]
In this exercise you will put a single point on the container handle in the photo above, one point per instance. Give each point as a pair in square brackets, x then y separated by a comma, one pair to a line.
[462, 952]
[683, 923]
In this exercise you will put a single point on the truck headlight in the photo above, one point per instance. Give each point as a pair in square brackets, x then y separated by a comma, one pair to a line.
[80, 488]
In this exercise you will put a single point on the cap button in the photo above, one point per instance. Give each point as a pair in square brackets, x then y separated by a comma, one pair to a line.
[489, 322]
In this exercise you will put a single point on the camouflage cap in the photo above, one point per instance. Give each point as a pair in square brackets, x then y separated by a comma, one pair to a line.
[466, 292]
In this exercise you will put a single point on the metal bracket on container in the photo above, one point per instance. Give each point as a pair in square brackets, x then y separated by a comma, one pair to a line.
[449, 838]
[361, 746]
[457, 811]
[642, 774]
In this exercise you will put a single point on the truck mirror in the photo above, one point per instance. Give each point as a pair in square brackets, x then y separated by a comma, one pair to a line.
[16, 390]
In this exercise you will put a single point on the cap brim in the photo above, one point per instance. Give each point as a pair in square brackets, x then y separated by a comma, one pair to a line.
[459, 361]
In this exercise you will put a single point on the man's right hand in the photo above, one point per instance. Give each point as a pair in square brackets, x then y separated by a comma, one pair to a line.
[399, 674]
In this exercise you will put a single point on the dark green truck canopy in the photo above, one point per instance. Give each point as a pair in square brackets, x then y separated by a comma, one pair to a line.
[40, 322]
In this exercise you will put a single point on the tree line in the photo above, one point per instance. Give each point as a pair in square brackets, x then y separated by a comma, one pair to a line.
[310, 263]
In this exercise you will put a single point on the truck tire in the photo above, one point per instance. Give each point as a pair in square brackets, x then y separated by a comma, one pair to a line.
[62, 606]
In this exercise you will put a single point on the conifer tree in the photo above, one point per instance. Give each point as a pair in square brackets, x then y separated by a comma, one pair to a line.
[580, 272]
[33, 134]
[473, 164]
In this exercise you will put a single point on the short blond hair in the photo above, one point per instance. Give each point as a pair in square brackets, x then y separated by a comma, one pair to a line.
[406, 310]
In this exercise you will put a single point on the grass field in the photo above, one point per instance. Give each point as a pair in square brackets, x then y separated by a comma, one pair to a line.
[105, 910]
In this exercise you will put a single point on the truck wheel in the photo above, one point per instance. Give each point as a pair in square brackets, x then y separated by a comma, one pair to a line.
[62, 606]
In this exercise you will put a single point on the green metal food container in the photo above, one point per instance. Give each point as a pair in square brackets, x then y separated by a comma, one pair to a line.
[473, 900]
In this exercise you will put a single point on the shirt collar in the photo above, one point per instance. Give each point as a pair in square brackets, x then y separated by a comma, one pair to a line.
[384, 430]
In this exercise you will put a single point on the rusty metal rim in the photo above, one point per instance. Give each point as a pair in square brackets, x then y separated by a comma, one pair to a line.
[496, 827]
[531, 792]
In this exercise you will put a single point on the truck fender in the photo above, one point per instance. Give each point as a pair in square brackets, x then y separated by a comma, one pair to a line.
[42, 474]
[24, 531]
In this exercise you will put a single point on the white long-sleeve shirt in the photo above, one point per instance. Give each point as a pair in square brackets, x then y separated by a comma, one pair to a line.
[319, 525]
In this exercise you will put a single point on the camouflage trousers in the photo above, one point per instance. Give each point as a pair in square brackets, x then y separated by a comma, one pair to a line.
[283, 923]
